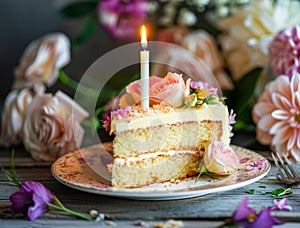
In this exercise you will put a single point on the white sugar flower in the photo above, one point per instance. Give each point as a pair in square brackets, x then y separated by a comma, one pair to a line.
[249, 31]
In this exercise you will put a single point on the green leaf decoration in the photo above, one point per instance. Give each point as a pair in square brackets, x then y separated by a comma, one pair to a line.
[87, 30]
[79, 9]
[262, 186]
[279, 193]
[250, 191]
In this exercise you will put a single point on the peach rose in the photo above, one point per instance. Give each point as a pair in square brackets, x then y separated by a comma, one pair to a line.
[172, 34]
[204, 47]
[42, 60]
[170, 89]
[198, 58]
[51, 126]
[15, 107]
[220, 159]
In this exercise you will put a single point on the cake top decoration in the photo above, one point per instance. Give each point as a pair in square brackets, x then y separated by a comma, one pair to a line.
[172, 90]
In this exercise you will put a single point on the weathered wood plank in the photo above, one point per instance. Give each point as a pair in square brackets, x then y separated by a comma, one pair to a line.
[217, 206]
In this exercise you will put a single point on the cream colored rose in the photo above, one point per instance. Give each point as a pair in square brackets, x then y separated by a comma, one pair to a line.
[42, 60]
[14, 109]
[220, 159]
[248, 32]
[51, 126]
[171, 90]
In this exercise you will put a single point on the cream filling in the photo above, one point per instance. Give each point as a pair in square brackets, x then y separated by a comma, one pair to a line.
[127, 161]
[206, 112]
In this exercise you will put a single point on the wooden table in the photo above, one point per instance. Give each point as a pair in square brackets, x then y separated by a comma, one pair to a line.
[205, 211]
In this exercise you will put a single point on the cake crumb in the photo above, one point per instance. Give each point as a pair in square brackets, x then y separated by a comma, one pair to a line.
[111, 223]
[141, 223]
[169, 224]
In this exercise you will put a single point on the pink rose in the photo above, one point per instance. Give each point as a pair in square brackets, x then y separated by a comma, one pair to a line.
[220, 159]
[51, 126]
[42, 60]
[170, 89]
[172, 34]
[15, 107]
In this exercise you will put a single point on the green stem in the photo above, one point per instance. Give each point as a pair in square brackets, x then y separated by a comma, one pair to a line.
[58, 206]
[66, 80]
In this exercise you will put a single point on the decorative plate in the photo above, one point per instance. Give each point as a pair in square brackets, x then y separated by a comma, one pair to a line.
[86, 170]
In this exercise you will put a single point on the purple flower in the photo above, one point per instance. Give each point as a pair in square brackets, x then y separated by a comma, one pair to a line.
[122, 18]
[203, 85]
[258, 164]
[32, 198]
[246, 217]
[285, 52]
[281, 205]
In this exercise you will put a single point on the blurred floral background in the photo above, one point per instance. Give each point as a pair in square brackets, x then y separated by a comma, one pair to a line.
[251, 46]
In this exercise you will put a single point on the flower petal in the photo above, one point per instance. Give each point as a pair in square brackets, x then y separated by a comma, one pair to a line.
[281, 114]
[38, 209]
[266, 122]
[243, 211]
[21, 201]
[293, 139]
[264, 219]
[281, 102]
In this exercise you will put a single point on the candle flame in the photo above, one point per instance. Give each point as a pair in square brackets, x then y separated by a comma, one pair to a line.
[144, 38]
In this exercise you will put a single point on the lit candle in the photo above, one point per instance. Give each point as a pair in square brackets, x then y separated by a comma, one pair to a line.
[144, 61]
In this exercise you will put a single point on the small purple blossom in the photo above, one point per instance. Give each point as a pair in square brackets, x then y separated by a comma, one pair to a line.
[199, 85]
[106, 123]
[285, 52]
[258, 164]
[246, 217]
[32, 198]
[281, 205]
[122, 18]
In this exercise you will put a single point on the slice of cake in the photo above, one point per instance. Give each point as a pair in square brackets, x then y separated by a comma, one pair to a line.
[165, 142]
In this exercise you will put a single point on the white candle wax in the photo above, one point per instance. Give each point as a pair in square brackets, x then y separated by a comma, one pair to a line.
[144, 61]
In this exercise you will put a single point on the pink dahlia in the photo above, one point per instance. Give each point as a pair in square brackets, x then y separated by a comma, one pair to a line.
[285, 52]
[277, 115]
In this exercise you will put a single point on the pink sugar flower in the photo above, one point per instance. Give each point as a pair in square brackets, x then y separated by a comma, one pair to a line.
[277, 115]
[285, 52]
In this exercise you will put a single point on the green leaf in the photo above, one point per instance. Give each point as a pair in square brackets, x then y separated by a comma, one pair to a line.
[87, 30]
[280, 193]
[250, 191]
[79, 9]
[262, 186]
[244, 93]
[11, 175]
